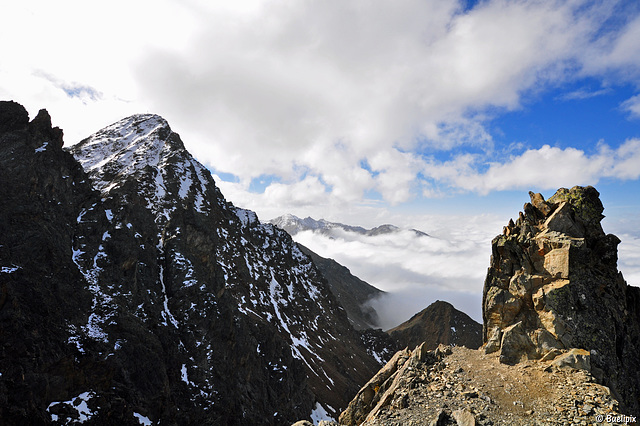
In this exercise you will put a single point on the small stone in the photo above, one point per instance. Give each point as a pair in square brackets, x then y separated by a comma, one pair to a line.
[470, 394]
[587, 408]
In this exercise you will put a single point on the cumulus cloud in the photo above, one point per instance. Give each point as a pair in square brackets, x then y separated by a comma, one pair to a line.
[75, 59]
[326, 86]
[359, 97]
[571, 166]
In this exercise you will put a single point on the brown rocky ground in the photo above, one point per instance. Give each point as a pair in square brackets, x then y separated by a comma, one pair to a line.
[467, 387]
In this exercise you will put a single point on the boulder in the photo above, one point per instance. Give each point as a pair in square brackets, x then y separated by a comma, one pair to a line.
[537, 201]
[578, 359]
[516, 345]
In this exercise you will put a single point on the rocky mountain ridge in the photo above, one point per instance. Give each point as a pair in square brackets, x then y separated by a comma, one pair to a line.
[553, 285]
[460, 386]
[133, 292]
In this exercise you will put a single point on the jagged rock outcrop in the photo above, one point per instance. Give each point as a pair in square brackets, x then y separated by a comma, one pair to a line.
[387, 384]
[439, 323]
[553, 285]
[560, 331]
[132, 291]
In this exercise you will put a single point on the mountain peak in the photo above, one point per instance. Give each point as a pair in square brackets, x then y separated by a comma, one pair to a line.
[128, 145]
[142, 151]
[438, 323]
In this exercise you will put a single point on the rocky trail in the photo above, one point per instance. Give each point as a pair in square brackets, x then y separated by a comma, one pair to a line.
[460, 386]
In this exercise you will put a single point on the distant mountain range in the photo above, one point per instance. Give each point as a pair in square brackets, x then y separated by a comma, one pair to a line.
[293, 224]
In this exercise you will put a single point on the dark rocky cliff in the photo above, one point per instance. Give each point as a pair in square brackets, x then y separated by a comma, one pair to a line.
[131, 290]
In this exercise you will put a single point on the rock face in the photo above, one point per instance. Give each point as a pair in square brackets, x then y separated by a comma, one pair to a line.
[439, 323]
[132, 291]
[553, 285]
[387, 385]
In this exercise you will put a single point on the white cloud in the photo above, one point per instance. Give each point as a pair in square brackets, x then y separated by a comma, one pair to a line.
[584, 93]
[632, 105]
[309, 191]
[50, 49]
[629, 258]
[618, 51]
[273, 87]
[627, 228]
[545, 168]
[281, 88]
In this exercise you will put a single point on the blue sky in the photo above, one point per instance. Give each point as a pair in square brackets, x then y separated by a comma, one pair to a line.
[411, 112]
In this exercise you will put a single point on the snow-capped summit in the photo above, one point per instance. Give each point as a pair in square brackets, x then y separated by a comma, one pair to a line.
[126, 146]
[144, 151]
